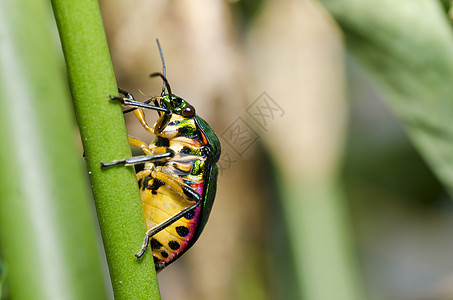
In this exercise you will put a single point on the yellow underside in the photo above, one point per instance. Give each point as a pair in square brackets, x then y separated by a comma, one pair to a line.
[159, 208]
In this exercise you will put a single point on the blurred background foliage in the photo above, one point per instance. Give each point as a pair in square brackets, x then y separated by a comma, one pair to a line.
[326, 197]
[334, 118]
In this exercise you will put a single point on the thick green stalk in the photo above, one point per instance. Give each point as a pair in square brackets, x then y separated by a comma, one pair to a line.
[104, 139]
[48, 235]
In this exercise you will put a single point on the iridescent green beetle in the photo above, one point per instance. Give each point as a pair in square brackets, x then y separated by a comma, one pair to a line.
[179, 179]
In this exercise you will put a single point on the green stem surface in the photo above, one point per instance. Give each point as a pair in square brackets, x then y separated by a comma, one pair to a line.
[104, 138]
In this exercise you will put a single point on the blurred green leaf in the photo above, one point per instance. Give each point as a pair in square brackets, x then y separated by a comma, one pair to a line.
[305, 143]
[48, 234]
[407, 48]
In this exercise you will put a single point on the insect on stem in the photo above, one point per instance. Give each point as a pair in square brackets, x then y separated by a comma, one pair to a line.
[179, 177]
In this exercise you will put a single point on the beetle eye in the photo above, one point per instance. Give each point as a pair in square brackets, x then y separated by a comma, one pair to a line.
[188, 111]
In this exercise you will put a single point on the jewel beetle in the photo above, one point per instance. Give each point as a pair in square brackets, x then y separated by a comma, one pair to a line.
[179, 179]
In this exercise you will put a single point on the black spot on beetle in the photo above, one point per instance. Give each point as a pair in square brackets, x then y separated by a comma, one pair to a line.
[206, 151]
[189, 215]
[183, 131]
[162, 142]
[185, 150]
[155, 244]
[174, 245]
[154, 184]
[164, 253]
[182, 231]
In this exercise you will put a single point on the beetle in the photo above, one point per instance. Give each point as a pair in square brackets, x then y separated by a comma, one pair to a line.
[179, 179]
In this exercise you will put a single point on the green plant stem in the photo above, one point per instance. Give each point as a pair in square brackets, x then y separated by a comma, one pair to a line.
[48, 235]
[104, 138]
[317, 222]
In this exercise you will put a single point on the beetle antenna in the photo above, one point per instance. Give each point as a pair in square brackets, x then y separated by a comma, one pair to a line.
[164, 80]
[164, 68]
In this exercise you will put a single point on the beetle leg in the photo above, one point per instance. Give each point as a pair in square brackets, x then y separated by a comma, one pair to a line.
[125, 94]
[139, 159]
[140, 115]
[163, 225]
[129, 96]
[142, 174]
[179, 187]
[145, 148]
[164, 117]
[129, 99]
[142, 145]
